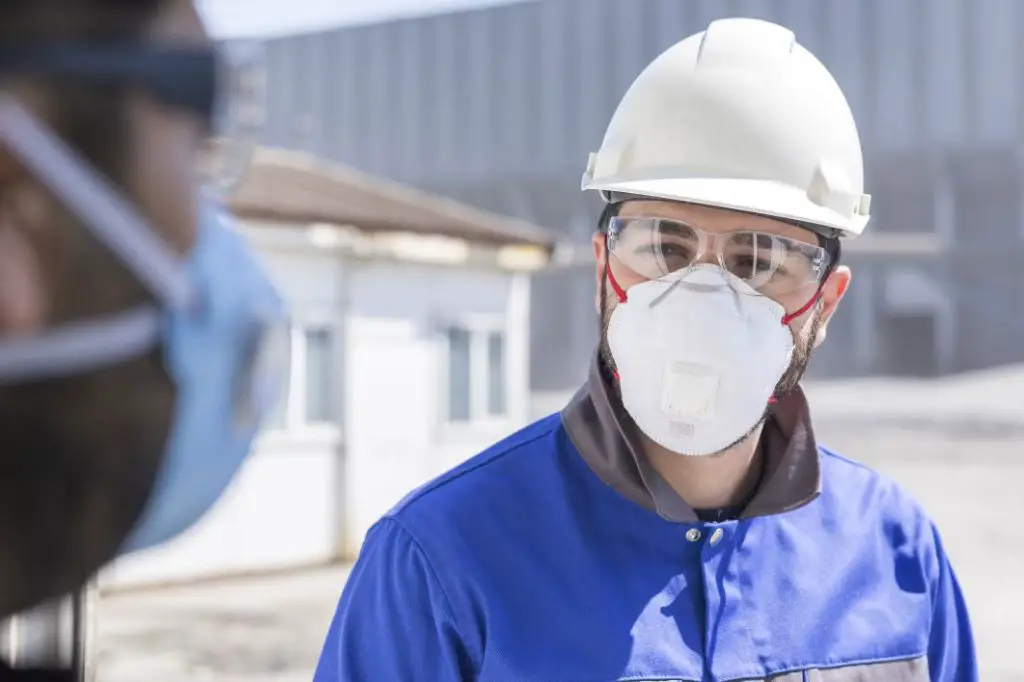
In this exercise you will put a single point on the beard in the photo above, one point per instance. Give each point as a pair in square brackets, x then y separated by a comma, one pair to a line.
[790, 380]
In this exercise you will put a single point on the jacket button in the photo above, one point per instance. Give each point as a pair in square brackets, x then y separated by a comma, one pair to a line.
[716, 537]
[693, 535]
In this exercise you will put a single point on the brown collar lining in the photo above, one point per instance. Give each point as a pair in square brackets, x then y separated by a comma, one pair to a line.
[608, 441]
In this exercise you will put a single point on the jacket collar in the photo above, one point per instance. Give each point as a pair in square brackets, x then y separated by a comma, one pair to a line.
[609, 443]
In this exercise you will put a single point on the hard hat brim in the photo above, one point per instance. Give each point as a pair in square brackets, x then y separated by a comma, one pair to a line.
[763, 197]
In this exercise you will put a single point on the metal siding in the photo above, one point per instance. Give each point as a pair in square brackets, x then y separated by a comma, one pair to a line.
[945, 96]
[807, 21]
[396, 119]
[317, 118]
[500, 26]
[669, 19]
[587, 84]
[892, 108]
[845, 53]
[624, 50]
[529, 87]
[547, 97]
[500, 106]
[480, 106]
[347, 103]
[520, 68]
[408, 90]
[754, 9]
[273, 58]
[994, 43]
[441, 105]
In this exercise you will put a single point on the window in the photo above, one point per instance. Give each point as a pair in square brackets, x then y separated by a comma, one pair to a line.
[311, 392]
[496, 374]
[460, 387]
[320, 376]
[477, 374]
[277, 417]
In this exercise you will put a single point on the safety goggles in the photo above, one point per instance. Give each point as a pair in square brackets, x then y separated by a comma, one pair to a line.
[221, 86]
[770, 264]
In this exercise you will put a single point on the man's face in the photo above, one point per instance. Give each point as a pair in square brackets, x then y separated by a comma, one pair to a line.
[78, 455]
[728, 227]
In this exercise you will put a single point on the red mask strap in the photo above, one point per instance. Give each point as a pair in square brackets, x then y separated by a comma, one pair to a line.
[619, 291]
[786, 319]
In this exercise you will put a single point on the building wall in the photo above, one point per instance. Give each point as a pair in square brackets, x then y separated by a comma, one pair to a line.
[499, 107]
[284, 507]
[398, 377]
[365, 419]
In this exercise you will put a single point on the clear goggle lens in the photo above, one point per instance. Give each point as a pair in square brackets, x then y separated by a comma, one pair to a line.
[239, 116]
[661, 249]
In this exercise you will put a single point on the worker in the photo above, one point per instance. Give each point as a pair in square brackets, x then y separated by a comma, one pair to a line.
[136, 329]
[678, 519]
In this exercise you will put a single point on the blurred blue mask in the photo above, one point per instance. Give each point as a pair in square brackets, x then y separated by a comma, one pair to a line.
[217, 316]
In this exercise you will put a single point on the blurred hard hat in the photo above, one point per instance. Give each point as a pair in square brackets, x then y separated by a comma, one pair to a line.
[739, 116]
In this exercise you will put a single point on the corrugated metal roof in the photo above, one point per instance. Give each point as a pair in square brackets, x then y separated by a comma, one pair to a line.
[295, 187]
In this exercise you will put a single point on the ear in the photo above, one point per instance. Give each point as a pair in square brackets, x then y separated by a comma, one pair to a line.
[26, 234]
[831, 294]
[25, 228]
[24, 291]
[601, 261]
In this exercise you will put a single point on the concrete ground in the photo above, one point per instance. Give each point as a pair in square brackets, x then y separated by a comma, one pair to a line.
[957, 445]
[264, 629]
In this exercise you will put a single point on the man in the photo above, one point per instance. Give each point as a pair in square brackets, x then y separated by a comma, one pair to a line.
[130, 315]
[677, 521]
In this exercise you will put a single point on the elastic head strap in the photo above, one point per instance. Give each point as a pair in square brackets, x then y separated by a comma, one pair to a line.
[102, 209]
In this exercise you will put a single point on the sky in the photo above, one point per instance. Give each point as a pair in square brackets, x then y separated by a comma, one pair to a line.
[268, 18]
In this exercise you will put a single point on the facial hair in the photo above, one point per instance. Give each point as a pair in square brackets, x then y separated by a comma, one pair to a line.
[803, 345]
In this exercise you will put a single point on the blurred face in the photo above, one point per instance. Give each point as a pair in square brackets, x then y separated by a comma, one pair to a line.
[78, 455]
[653, 240]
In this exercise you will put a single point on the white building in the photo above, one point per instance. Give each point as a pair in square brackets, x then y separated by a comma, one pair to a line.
[410, 353]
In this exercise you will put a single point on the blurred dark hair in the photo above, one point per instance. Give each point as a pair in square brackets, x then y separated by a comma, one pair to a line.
[78, 454]
[88, 116]
[92, 118]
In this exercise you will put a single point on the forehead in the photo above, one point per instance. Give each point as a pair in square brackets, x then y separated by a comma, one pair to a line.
[715, 220]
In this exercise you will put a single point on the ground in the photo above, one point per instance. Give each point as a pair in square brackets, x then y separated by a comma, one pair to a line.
[958, 446]
[266, 629]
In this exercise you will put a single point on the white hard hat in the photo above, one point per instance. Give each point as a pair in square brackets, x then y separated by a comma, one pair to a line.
[740, 117]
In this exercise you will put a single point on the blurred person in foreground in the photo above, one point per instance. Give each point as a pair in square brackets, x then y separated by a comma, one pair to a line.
[678, 521]
[132, 318]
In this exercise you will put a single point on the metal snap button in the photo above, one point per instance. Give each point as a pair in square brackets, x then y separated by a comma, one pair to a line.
[693, 535]
[717, 536]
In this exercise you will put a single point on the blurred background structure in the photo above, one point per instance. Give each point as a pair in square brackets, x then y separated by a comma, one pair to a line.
[499, 107]
[418, 198]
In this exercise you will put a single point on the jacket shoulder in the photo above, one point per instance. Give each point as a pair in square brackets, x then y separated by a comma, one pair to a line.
[505, 460]
[854, 490]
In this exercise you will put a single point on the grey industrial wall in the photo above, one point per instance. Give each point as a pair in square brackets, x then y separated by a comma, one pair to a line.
[500, 106]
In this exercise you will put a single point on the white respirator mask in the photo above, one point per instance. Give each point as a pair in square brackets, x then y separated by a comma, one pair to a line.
[699, 355]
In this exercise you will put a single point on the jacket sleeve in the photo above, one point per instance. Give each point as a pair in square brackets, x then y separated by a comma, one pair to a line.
[393, 621]
[951, 654]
